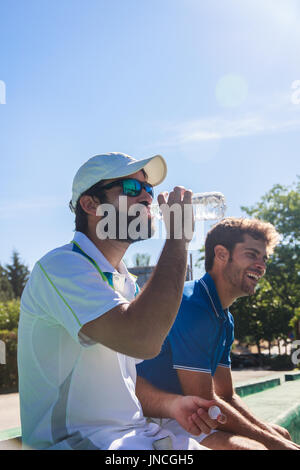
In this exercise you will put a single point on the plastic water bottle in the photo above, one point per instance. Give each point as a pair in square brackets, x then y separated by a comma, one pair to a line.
[207, 206]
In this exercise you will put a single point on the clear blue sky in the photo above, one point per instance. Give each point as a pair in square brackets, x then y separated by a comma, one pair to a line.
[205, 83]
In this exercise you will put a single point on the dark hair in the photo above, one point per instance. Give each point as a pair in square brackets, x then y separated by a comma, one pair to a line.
[231, 230]
[81, 217]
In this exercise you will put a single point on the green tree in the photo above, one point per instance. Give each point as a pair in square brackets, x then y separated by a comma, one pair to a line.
[275, 305]
[262, 316]
[17, 274]
[6, 290]
[281, 207]
[141, 259]
[9, 314]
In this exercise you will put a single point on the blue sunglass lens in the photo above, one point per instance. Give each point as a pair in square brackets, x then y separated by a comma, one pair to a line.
[134, 188]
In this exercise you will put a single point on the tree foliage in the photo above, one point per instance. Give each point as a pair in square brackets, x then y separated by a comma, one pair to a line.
[141, 259]
[281, 207]
[273, 311]
[17, 274]
[6, 290]
[9, 314]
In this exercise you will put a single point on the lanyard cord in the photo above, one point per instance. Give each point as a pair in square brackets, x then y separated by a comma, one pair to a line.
[104, 277]
[92, 261]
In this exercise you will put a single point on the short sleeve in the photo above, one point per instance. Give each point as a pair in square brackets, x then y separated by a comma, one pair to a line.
[71, 291]
[192, 338]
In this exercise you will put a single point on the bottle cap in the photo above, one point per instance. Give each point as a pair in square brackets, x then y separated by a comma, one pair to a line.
[214, 412]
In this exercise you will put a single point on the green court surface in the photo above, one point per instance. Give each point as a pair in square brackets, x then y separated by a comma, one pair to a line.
[10, 433]
[279, 405]
[270, 404]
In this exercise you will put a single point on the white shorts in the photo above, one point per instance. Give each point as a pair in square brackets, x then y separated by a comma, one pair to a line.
[173, 426]
[165, 436]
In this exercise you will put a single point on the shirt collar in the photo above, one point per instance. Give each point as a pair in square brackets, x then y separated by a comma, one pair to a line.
[121, 280]
[91, 250]
[208, 280]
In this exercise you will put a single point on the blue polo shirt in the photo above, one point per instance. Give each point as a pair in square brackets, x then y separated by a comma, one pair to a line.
[200, 339]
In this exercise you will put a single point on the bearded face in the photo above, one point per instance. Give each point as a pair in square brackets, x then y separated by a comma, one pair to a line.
[125, 222]
[246, 265]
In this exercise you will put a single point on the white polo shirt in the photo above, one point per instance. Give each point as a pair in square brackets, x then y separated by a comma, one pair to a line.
[74, 393]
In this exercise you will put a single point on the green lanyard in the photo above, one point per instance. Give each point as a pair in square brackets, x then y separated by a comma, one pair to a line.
[107, 277]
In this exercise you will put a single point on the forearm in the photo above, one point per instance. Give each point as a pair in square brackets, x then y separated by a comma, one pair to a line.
[155, 403]
[241, 407]
[190, 412]
[155, 308]
[239, 423]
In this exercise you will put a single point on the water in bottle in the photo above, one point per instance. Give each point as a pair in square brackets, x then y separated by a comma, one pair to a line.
[207, 206]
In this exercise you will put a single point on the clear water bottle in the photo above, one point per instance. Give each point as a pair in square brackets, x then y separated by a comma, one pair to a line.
[207, 206]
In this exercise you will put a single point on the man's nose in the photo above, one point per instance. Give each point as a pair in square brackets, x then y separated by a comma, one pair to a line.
[261, 265]
[145, 196]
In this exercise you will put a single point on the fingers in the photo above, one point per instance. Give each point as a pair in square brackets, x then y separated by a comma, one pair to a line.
[201, 423]
[187, 196]
[177, 195]
[201, 418]
[210, 423]
[222, 419]
[162, 197]
[192, 428]
[206, 404]
[203, 403]
[177, 212]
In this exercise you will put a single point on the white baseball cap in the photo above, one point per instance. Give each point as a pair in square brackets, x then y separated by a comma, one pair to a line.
[116, 165]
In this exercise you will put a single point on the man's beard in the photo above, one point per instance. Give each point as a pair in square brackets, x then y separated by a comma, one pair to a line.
[237, 279]
[126, 228]
[143, 230]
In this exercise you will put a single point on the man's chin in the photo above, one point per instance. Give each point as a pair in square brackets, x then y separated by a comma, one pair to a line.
[135, 230]
[140, 235]
[144, 237]
[247, 291]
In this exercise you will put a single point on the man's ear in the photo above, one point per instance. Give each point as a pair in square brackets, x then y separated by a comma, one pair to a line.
[89, 204]
[221, 254]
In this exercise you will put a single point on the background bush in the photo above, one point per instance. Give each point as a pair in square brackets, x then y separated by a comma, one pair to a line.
[9, 370]
[9, 318]
[9, 314]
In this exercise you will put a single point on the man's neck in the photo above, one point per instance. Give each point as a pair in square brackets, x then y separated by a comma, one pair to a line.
[113, 250]
[224, 290]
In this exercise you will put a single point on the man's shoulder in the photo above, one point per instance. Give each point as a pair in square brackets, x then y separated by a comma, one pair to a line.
[58, 254]
[194, 293]
[194, 304]
[58, 251]
[62, 259]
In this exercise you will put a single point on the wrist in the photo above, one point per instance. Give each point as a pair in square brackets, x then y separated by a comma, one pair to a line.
[180, 245]
[172, 405]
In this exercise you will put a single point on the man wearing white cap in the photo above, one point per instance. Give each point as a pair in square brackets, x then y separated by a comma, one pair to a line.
[83, 322]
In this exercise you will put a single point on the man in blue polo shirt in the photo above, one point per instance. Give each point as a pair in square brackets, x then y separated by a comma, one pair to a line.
[195, 357]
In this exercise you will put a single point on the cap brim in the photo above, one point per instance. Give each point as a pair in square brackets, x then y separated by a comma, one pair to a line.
[155, 168]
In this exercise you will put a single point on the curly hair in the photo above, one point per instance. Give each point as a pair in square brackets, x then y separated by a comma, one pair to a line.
[231, 230]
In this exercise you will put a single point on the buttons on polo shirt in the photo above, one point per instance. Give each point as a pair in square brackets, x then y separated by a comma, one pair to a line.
[119, 282]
